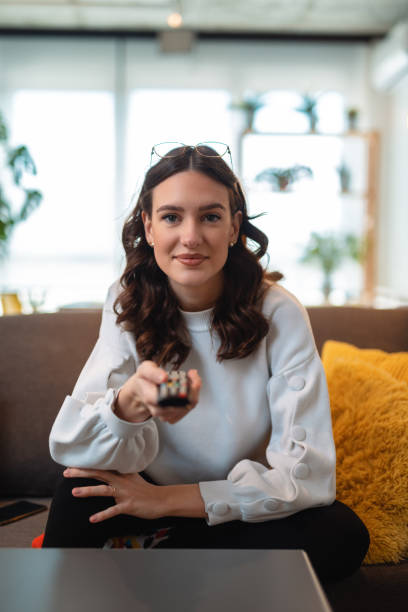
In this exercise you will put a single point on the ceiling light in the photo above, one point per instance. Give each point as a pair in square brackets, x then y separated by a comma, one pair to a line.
[174, 20]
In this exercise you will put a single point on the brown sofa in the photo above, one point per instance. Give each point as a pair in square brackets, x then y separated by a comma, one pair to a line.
[41, 357]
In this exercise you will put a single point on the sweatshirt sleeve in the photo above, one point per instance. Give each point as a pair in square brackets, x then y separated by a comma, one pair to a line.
[300, 455]
[87, 433]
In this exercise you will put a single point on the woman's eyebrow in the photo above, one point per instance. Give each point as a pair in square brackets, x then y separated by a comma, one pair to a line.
[201, 208]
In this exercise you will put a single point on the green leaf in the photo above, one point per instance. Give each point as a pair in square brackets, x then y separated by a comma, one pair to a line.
[329, 250]
[6, 228]
[5, 208]
[20, 161]
[275, 176]
[326, 250]
[3, 129]
[32, 201]
[356, 247]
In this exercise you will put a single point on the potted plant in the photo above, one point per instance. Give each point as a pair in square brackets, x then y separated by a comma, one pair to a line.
[328, 252]
[249, 105]
[15, 164]
[308, 107]
[345, 177]
[281, 179]
[352, 115]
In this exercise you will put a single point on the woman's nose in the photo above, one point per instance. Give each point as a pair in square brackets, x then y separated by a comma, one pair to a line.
[190, 234]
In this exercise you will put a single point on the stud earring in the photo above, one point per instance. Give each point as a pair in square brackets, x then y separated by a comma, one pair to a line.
[151, 244]
[232, 244]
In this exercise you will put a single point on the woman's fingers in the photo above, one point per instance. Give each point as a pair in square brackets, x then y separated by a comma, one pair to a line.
[102, 490]
[195, 385]
[151, 372]
[145, 383]
[73, 472]
[106, 514]
[95, 491]
[148, 376]
[150, 368]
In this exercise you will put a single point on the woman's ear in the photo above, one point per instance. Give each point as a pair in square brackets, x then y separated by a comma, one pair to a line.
[147, 222]
[236, 224]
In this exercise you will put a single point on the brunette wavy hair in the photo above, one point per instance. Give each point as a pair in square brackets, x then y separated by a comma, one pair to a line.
[148, 307]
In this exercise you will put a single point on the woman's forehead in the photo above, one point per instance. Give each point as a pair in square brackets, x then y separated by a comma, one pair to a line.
[190, 189]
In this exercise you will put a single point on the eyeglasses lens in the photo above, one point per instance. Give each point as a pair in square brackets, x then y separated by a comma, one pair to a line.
[206, 149]
[168, 149]
[212, 149]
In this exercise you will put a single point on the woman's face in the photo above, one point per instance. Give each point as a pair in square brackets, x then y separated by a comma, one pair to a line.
[191, 227]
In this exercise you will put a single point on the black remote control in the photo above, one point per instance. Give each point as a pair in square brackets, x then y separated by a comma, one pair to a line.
[175, 391]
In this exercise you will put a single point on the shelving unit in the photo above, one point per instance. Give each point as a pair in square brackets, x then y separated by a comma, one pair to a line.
[317, 204]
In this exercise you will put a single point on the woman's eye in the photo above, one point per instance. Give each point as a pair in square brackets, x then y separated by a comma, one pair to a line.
[212, 217]
[170, 218]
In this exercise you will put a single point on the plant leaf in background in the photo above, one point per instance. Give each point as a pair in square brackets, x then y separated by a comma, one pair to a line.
[18, 161]
[308, 108]
[356, 247]
[282, 178]
[328, 252]
[3, 130]
[250, 103]
[32, 201]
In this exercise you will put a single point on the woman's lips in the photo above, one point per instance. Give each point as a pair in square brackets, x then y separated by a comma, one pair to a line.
[191, 261]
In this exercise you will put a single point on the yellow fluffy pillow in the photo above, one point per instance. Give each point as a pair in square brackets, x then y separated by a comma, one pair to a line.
[369, 402]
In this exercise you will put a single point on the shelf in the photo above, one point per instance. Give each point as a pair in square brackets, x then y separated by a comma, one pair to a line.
[350, 195]
[358, 207]
[350, 134]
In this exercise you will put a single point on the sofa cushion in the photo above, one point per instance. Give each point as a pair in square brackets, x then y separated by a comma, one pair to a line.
[369, 400]
[362, 326]
[41, 358]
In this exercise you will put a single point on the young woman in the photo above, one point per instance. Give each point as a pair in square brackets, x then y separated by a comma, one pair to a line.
[250, 461]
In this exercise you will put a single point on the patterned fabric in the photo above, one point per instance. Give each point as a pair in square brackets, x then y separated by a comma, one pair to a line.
[149, 540]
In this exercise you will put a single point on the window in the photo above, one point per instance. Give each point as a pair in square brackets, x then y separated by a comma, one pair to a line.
[180, 115]
[66, 247]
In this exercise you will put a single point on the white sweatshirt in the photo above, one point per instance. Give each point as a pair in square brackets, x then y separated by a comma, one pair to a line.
[259, 442]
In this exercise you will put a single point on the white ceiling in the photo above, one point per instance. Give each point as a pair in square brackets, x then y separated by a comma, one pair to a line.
[367, 18]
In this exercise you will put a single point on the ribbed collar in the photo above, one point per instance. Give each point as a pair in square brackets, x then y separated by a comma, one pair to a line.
[197, 321]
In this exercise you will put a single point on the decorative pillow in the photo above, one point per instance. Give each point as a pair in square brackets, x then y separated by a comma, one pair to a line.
[369, 401]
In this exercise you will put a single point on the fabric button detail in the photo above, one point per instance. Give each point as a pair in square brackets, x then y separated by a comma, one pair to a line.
[221, 508]
[301, 471]
[296, 383]
[271, 505]
[299, 433]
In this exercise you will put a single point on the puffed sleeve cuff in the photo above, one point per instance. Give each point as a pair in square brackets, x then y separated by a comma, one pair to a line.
[119, 427]
[220, 502]
[89, 434]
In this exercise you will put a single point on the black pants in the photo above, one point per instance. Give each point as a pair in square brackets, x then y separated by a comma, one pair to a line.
[334, 537]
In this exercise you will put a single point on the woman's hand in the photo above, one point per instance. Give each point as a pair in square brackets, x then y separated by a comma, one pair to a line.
[133, 495]
[137, 399]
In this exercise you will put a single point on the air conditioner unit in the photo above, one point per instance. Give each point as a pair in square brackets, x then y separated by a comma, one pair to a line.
[389, 62]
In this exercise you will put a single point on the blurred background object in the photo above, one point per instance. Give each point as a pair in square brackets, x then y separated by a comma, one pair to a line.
[90, 86]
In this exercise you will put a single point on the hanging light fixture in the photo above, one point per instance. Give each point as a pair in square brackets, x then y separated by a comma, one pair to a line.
[175, 18]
